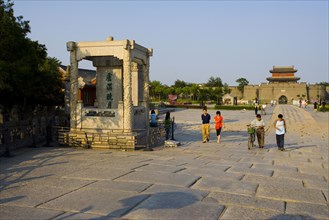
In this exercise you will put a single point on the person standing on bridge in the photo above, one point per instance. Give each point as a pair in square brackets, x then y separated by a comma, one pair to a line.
[205, 117]
[280, 130]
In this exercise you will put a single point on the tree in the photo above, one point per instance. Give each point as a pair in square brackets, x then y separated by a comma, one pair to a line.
[226, 89]
[27, 75]
[180, 84]
[242, 83]
[324, 83]
[214, 82]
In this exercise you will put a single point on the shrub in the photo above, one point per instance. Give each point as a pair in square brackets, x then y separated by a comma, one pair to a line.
[234, 107]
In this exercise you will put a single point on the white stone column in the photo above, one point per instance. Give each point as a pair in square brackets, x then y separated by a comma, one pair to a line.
[127, 93]
[71, 46]
[146, 88]
[134, 75]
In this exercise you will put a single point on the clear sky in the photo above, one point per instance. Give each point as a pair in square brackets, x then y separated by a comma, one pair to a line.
[194, 40]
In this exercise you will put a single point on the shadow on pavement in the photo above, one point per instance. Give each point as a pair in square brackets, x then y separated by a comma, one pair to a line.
[157, 201]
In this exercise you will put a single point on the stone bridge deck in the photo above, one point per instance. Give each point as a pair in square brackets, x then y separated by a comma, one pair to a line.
[194, 181]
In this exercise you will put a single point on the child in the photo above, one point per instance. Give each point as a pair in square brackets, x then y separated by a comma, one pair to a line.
[280, 130]
[153, 122]
[219, 123]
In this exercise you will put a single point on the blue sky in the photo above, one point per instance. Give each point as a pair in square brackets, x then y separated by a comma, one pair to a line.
[194, 40]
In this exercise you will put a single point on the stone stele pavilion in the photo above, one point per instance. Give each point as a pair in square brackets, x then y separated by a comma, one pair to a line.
[119, 117]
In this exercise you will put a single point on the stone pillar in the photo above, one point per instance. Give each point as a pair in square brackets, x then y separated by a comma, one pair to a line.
[146, 90]
[134, 75]
[127, 95]
[71, 46]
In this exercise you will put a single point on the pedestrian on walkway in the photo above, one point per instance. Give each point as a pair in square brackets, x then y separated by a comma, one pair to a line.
[256, 107]
[205, 117]
[167, 124]
[315, 108]
[280, 129]
[259, 125]
[218, 124]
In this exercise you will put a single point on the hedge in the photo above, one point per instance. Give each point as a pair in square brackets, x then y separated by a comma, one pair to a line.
[234, 107]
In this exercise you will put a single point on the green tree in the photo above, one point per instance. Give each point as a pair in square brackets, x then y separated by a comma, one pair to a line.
[324, 83]
[27, 75]
[226, 89]
[242, 82]
[180, 84]
[214, 82]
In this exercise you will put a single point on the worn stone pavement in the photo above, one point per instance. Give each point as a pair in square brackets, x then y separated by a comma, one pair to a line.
[193, 181]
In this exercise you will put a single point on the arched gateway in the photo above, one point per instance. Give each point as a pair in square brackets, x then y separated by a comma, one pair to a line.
[283, 100]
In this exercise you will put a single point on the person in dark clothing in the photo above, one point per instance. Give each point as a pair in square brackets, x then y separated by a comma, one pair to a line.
[315, 106]
[167, 123]
[205, 117]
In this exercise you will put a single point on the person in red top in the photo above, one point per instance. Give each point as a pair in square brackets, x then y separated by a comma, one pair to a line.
[218, 124]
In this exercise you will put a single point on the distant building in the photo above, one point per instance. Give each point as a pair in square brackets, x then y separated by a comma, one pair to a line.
[282, 86]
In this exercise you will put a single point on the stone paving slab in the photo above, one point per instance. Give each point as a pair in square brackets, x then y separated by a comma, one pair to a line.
[229, 199]
[226, 185]
[30, 196]
[51, 181]
[254, 171]
[275, 167]
[215, 173]
[160, 178]
[15, 212]
[316, 184]
[238, 212]
[119, 185]
[293, 194]
[274, 181]
[256, 161]
[99, 202]
[99, 173]
[313, 210]
[159, 168]
[198, 194]
[298, 176]
[77, 215]
[174, 205]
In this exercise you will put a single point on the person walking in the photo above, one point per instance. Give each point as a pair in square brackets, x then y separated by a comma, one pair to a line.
[218, 124]
[256, 107]
[280, 129]
[315, 108]
[167, 124]
[259, 125]
[205, 117]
